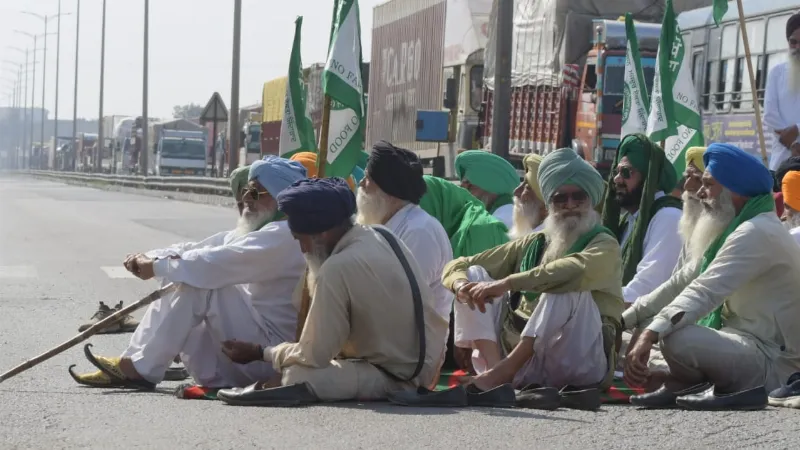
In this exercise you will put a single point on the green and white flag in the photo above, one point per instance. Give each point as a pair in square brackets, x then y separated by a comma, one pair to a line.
[635, 100]
[297, 129]
[674, 113]
[341, 81]
[720, 8]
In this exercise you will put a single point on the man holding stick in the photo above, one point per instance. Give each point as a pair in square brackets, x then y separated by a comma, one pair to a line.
[781, 114]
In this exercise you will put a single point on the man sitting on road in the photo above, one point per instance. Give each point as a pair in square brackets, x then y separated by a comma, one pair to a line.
[232, 286]
[491, 179]
[563, 330]
[648, 231]
[747, 284]
[370, 328]
[530, 209]
[389, 195]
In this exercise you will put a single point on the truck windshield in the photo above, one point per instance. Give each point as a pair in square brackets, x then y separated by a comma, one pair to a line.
[614, 84]
[254, 139]
[194, 149]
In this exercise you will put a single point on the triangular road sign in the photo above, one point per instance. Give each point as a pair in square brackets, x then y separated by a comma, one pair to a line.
[215, 110]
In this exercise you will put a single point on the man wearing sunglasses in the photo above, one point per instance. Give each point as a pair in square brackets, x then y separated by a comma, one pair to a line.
[781, 114]
[237, 288]
[561, 330]
[644, 216]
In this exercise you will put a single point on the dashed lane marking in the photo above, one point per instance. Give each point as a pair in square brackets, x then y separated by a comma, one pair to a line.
[18, 272]
[117, 272]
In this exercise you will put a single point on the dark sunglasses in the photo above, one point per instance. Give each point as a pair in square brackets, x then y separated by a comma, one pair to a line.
[563, 198]
[624, 172]
[253, 192]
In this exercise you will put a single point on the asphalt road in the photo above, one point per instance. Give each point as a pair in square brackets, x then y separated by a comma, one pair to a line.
[61, 248]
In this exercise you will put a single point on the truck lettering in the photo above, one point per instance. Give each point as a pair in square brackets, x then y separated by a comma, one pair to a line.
[398, 68]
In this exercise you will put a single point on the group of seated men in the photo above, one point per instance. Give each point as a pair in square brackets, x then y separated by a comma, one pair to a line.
[328, 291]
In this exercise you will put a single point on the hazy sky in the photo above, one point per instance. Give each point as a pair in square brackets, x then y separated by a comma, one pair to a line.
[190, 49]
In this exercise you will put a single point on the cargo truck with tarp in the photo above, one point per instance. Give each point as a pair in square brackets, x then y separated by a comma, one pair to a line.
[567, 73]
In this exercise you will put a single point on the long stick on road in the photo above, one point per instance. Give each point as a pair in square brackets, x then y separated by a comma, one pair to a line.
[110, 320]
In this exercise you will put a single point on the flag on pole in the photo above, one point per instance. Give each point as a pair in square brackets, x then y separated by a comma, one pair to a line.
[720, 8]
[297, 129]
[341, 81]
[674, 113]
[635, 100]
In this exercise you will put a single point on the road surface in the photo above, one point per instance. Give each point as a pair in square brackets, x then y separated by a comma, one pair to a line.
[61, 249]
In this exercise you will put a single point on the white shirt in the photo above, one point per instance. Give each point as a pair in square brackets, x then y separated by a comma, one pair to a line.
[795, 232]
[265, 266]
[505, 214]
[660, 250]
[781, 110]
[429, 244]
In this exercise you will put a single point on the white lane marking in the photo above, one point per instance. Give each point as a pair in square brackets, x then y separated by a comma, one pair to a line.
[117, 272]
[18, 272]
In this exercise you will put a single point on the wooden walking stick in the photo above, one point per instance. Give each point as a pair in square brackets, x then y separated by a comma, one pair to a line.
[110, 320]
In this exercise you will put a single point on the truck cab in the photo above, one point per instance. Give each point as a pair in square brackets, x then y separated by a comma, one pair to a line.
[181, 152]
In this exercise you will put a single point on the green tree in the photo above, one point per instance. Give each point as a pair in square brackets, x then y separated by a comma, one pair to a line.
[190, 111]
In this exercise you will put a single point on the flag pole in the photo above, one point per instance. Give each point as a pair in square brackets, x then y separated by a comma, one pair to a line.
[753, 87]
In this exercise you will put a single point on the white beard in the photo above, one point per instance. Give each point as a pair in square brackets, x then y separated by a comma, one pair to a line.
[372, 208]
[793, 67]
[792, 220]
[717, 215]
[692, 209]
[251, 221]
[315, 259]
[562, 232]
[524, 219]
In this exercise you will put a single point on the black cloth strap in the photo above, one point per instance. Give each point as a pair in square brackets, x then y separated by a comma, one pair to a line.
[416, 296]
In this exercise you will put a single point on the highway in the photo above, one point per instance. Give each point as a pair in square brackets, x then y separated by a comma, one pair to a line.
[61, 249]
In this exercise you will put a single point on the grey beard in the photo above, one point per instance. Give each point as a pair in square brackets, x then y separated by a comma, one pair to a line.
[372, 208]
[251, 222]
[792, 221]
[525, 218]
[315, 259]
[561, 233]
[692, 209]
[717, 215]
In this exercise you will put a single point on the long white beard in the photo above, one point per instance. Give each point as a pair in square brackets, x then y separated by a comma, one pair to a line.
[562, 232]
[315, 259]
[692, 209]
[372, 208]
[794, 72]
[524, 218]
[717, 215]
[251, 221]
[792, 220]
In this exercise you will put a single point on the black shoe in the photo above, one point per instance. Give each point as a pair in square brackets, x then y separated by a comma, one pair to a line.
[502, 396]
[582, 399]
[711, 400]
[295, 395]
[455, 397]
[535, 397]
[665, 398]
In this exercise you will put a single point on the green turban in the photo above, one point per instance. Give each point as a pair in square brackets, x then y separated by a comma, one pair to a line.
[640, 150]
[239, 179]
[563, 167]
[488, 171]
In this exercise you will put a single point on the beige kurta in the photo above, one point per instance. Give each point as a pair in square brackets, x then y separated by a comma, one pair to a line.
[362, 309]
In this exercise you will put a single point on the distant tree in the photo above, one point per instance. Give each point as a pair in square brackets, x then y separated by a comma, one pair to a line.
[190, 111]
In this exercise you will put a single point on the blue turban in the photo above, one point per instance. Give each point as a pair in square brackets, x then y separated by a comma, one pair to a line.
[316, 205]
[563, 167]
[737, 170]
[276, 174]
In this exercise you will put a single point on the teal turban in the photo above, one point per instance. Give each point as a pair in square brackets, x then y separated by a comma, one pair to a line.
[642, 152]
[239, 180]
[488, 171]
[563, 167]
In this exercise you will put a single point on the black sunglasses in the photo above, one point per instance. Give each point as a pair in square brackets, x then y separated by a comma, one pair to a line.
[253, 192]
[625, 172]
[563, 198]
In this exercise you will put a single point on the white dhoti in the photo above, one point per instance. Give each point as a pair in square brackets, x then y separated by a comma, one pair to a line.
[194, 322]
[568, 344]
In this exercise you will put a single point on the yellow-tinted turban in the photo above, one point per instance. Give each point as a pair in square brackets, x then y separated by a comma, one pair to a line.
[694, 156]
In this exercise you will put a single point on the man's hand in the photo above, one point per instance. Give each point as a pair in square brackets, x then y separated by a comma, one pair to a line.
[130, 262]
[485, 292]
[636, 371]
[242, 352]
[788, 136]
[144, 267]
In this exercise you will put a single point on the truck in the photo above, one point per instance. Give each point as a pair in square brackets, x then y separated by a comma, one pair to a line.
[181, 152]
[272, 104]
[567, 76]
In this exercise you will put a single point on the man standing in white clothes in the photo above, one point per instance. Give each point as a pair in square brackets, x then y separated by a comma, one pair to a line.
[781, 113]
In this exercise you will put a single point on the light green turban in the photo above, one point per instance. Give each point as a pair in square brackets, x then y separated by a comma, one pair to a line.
[563, 167]
[488, 171]
[239, 179]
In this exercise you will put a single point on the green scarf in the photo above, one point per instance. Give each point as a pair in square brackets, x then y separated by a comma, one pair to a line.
[634, 246]
[755, 206]
[469, 226]
[502, 200]
[533, 254]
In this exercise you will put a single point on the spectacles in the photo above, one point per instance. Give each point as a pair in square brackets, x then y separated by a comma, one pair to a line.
[624, 172]
[253, 192]
[563, 198]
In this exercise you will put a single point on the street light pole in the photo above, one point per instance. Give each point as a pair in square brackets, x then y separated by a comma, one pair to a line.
[58, 67]
[98, 160]
[233, 157]
[144, 148]
[73, 145]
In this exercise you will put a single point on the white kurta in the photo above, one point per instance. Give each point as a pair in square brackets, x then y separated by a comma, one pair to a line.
[240, 290]
[660, 250]
[780, 111]
[796, 234]
[429, 244]
[505, 214]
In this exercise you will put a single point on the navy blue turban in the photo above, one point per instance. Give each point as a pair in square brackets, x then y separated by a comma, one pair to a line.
[316, 205]
[737, 170]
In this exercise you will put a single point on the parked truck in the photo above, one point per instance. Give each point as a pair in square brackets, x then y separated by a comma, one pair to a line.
[181, 152]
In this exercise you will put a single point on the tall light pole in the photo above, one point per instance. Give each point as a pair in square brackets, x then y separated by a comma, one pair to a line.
[98, 159]
[144, 148]
[73, 145]
[28, 116]
[58, 69]
[35, 38]
[233, 158]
